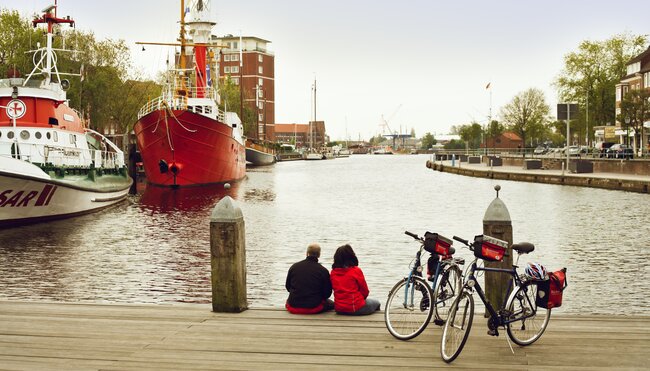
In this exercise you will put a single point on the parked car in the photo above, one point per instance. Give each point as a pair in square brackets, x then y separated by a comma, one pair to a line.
[540, 150]
[600, 149]
[577, 151]
[620, 151]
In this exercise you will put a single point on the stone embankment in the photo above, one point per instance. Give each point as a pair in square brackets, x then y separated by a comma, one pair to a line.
[631, 176]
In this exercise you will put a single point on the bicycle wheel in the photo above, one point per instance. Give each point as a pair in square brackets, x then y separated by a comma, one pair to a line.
[456, 329]
[446, 291]
[408, 309]
[532, 319]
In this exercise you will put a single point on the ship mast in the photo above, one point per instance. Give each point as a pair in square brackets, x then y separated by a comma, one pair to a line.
[49, 17]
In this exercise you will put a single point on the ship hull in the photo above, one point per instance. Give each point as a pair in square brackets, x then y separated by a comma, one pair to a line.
[259, 158]
[26, 199]
[188, 149]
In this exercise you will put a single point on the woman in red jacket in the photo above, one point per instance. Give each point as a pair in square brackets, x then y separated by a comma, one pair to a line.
[349, 285]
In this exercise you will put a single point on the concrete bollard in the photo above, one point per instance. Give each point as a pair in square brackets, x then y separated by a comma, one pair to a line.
[228, 257]
[497, 223]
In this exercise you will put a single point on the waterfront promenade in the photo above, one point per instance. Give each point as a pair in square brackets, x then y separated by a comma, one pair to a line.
[605, 180]
[40, 335]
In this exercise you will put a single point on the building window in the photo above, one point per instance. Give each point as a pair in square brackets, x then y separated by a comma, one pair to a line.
[260, 58]
[618, 93]
[260, 70]
[235, 80]
[261, 93]
[226, 69]
[234, 69]
[646, 80]
[226, 58]
[261, 104]
[633, 68]
[261, 117]
[260, 82]
[233, 45]
[234, 57]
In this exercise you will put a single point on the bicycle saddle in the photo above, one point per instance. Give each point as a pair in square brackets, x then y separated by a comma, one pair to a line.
[523, 247]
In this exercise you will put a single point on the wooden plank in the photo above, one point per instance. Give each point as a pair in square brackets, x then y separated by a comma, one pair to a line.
[97, 336]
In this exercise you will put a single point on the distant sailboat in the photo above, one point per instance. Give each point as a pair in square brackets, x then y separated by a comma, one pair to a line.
[311, 153]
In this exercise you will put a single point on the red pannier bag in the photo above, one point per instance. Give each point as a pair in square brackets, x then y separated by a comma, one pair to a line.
[437, 244]
[549, 292]
[489, 248]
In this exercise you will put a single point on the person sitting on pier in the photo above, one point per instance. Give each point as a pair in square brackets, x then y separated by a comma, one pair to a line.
[309, 285]
[349, 285]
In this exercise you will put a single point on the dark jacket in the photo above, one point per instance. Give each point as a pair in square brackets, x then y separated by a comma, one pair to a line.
[350, 289]
[308, 283]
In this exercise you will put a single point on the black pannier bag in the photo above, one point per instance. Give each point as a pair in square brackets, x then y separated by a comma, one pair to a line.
[437, 244]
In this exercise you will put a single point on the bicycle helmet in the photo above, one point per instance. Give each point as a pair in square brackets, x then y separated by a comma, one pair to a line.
[536, 271]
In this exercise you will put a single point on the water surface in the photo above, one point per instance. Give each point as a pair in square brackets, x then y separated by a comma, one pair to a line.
[155, 247]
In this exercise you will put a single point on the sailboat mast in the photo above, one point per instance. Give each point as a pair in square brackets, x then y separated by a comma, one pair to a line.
[314, 105]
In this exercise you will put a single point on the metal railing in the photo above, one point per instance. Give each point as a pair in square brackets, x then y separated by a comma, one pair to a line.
[61, 156]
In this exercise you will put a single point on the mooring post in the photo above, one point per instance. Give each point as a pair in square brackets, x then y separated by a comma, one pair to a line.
[497, 223]
[228, 257]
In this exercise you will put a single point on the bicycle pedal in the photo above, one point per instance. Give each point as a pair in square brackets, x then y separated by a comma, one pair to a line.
[494, 332]
[438, 322]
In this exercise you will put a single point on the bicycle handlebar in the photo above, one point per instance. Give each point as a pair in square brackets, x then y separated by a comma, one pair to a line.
[412, 235]
[461, 240]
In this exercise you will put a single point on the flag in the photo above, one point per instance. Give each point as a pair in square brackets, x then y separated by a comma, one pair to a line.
[209, 77]
[487, 86]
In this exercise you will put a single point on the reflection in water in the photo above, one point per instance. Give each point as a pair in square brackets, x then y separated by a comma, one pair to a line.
[184, 200]
[155, 248]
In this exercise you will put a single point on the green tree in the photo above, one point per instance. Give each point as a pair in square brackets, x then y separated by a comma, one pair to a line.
[493, 131]
[526, 113]
[377, 140]
[454, 144]
[428, 141]
[635, 109]
[472, 134]
[16, 37]
[231, 102]
[591, 74]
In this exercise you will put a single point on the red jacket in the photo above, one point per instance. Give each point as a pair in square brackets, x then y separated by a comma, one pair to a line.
[350, 289]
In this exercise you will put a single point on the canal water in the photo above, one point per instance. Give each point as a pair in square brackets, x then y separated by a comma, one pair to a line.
[155, 248]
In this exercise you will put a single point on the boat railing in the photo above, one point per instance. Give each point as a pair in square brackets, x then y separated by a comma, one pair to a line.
[177, 102]
[62, 156]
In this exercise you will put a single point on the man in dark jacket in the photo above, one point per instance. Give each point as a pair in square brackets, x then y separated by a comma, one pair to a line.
[309, 285]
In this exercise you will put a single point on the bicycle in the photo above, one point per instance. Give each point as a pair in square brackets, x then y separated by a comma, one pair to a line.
[524, 321]
[408, 309]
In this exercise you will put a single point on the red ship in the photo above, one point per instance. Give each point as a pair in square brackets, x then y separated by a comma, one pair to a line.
[183, 136]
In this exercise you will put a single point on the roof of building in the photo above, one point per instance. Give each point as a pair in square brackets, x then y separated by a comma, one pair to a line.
[236, 38]
[512, 136]
[291, 128]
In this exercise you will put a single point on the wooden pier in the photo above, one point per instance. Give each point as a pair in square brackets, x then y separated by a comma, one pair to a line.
[36, 335]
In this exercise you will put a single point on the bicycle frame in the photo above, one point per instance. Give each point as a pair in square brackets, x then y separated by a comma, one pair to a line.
[473, 284]
[415, 271]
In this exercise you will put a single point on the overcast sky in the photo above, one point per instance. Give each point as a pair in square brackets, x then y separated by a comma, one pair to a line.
[431, 59]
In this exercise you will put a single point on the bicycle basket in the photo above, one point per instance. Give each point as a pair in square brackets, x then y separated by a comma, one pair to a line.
[489, 248]
[437, 244]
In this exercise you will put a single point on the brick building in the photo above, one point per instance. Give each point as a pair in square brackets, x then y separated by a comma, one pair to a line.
[506, 140]
[298, 134]
[255, 74]
[637, 77]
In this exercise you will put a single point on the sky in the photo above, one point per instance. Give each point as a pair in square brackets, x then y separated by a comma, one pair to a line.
[423, 65]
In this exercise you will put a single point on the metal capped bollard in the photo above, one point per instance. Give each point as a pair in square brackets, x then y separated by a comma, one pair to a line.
[228, 257]
[497, 223]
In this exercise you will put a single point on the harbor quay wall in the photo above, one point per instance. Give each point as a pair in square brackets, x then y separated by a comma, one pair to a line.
[630, 185]
[601, 165]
